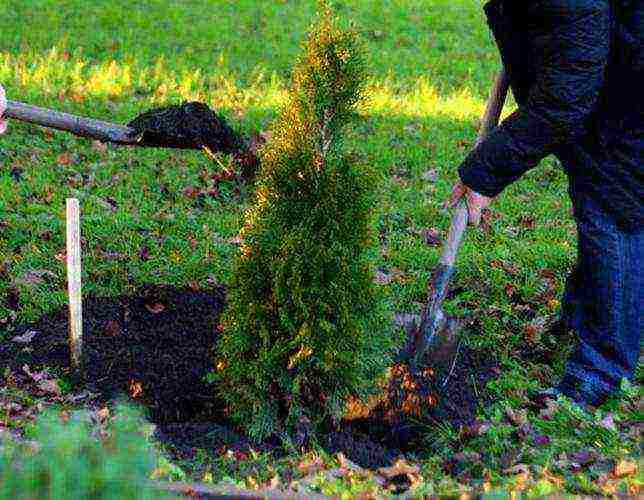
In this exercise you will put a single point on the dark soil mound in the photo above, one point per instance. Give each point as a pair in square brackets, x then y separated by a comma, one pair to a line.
[192, 125]
[158, 346]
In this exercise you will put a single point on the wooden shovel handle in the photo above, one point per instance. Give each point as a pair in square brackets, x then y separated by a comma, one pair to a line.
[490, 121]
[77, 125]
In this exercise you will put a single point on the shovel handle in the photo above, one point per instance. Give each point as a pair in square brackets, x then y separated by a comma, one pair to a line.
[77, 125]
[488, 123]
[494, 105]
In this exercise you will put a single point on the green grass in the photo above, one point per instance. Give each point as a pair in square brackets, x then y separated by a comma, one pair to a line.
[432, 64]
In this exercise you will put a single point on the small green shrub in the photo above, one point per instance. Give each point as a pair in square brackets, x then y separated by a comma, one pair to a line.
[306, 328]
[65, 460]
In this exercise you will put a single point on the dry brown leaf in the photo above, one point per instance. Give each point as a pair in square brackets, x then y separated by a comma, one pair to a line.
[533, 330]
[431, 237]
[103, 414]
[508, 267]
[625, 468]
[155, 308]
[430, 175]
[112, 328]
[135, 388]
[99, 147]
[402, 468]
[608, 423]
[25, 338]
[311, 465]
[35, 277]
[382, 278]
[64, 159]
[50, 386]
[517, 417]
[191, 192]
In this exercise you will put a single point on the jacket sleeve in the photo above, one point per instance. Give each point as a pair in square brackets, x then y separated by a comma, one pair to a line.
[573, 53]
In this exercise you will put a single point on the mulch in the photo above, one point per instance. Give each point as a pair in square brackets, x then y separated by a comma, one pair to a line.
[157, 347]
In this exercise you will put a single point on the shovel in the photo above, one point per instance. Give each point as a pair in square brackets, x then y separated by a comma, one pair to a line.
[188, 126]
[436, 335]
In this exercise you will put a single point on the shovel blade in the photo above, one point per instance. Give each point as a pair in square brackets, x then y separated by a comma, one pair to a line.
[433, 319]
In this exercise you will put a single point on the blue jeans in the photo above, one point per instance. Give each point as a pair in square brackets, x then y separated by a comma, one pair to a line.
[603, 303]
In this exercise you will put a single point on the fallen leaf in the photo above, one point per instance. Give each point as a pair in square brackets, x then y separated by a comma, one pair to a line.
[625, 468]
[155, 308]
[549, 411]
[527, 221]
[112, 328]
[382, 278]
[401, 476]
[99, 147]
[533, 330]
[508, 267]
[608, 423]
[430, 175]
[400, 467]
[135, 388]
[191, 192]
[431, 237]
[583, 458]
[541, 440]
[103, 414]
[35, 277]
[144, 253]
[517, 417]
[50, 386]
[26, 337]
[478, 428]
[510, 290]
[467, 456]
[64, 159]
[521, 474]
[311, 465]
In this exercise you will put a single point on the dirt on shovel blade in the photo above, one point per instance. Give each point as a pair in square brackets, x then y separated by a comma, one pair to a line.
[192, 125]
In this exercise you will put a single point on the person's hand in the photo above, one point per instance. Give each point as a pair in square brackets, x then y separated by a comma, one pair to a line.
[475, 202]
[3, 106]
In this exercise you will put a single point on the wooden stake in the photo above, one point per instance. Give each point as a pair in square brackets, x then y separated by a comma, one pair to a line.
[74, 282]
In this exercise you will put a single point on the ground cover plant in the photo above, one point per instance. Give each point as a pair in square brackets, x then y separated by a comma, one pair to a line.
[158, 218]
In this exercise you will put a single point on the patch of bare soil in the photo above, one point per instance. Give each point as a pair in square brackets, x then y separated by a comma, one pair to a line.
[157, 348]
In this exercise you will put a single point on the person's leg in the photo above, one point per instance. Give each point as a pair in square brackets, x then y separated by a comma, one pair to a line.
[609, 303]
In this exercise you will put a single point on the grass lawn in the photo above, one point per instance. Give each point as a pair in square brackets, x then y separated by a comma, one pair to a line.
[432, 64]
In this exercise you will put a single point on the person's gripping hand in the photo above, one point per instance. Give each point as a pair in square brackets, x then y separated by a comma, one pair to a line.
[3, 106]
[475, 202]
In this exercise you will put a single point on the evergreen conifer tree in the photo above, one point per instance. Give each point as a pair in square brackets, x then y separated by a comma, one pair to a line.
[306, 328]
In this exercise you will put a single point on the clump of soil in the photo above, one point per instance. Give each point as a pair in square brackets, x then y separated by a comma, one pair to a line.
[157, 347]
[192, 125]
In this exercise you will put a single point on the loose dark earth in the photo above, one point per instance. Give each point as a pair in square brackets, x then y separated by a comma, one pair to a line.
[157, 347]
[192, 125]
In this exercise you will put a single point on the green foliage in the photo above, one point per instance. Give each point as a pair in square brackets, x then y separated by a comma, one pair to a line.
[72, 459]
[305, 328]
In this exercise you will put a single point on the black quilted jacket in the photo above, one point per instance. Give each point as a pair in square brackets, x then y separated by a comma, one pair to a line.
[577, 72]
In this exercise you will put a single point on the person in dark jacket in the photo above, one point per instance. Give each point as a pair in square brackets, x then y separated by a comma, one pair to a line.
[576, 68]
